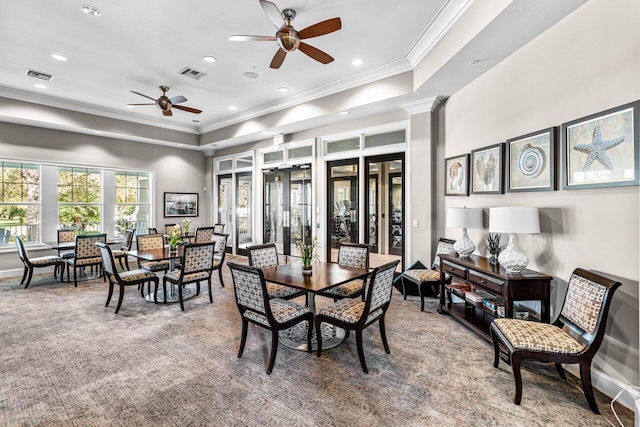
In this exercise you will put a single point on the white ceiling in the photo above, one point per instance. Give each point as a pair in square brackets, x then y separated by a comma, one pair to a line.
[139, 45]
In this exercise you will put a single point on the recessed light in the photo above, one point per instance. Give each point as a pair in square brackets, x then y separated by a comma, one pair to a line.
[283, 89]
[250, 75]
[357, 62]
[344, 113]
[40, 86]
[58, 57]
[90, 10]
[209, 58]
[232, 107]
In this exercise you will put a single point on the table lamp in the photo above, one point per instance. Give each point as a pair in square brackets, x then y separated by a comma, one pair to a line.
[513, 220]
[464, 218]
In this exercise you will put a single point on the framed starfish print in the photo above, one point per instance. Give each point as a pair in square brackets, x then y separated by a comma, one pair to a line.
[601, 150]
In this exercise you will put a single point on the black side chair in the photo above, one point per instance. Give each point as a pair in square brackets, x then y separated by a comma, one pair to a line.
[120, 254]
[197, 265]
[126, 278]
[218, 228]
[265, 256]
[86, 254]
[573, 338]
[220, 241]
[350, 255]
[255, 306]
[31, 263]
[204, 234]
[152, 230]
[353, 314]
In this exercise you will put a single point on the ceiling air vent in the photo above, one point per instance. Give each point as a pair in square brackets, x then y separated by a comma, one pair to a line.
[190, 72]
[38, 75]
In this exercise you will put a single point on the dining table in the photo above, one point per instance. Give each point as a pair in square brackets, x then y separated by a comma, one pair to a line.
[164, 254]
[324, 276]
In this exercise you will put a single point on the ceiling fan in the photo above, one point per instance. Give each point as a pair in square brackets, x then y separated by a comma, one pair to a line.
[165, 103]
[288, 38]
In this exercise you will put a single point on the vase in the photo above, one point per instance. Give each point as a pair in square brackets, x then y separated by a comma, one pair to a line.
[493, 258]
[306, 269]
[173, 248]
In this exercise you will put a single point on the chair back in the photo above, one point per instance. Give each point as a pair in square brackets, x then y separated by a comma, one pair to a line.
[22, 251]
[353, 255]
[585, 308]
[127, 241]
[86, 245]
[168, 228]
[204, 234]
[107, 260]
[380, 288]
[152, 230]
[263, 256]
[250, 288]
[66, 236]
[218, 228]
[445, 246]
[221, 244]
[197, 257]
[148, 242]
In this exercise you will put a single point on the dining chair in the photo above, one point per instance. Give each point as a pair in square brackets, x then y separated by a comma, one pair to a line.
[152, 230]
[149, 242]
[168, 228]
[218, 228]
[66, 236]
[574, 337]
[123, 279]
[120, 254]
[31, 263]
[220, 241]
[255, 306]
[427, 280]
[204, 234]
[353, 314]
[350, 255]
[86, 254]
[265, 256]
[197, 265]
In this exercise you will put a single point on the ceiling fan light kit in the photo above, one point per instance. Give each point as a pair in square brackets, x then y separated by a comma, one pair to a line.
[165, 104]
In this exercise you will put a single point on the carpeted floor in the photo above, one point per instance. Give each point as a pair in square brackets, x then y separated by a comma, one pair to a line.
[68, 360]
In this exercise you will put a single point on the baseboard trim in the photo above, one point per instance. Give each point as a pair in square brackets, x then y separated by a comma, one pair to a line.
[11, 273]
[611, 387]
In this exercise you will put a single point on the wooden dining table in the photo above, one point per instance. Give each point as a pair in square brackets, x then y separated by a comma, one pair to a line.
[325, 275]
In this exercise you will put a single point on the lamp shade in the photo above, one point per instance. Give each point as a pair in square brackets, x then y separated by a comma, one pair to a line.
[464, 217]
[514, 219]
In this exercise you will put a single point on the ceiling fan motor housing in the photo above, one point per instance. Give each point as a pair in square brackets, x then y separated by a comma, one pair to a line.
[163, 103]
[288, 38]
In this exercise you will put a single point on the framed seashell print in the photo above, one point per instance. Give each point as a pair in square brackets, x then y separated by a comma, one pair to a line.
[457, 176]
[487, 170]
[531, 161]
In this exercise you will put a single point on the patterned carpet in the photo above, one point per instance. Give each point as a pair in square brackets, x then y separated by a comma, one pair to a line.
[68, 360]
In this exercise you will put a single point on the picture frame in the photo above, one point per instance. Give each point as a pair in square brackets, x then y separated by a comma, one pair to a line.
[487, 169]
[531, 161]
[601, 150]
[456, 180]
[180, 204]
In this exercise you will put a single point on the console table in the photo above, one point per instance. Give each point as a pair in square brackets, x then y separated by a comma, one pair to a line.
[478, 272]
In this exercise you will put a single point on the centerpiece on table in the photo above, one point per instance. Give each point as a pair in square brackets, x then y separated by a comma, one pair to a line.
[307, 249]
[493, 246]
[185, 226]
[174, 239]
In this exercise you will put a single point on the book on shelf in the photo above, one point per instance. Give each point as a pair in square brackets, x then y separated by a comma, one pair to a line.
[473, 297]
[459, 288]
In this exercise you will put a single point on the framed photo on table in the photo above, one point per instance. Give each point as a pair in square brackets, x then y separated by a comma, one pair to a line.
[457, 176]
[531, 162]
[487, 170]
[601, 150]
[180, 204]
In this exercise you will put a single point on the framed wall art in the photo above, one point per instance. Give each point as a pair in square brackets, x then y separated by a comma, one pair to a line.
[180, 204]
[487, 165]
[531, 162]
[601, 150]
[457, 176]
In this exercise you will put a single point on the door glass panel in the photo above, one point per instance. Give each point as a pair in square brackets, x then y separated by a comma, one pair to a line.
[343, 200]
[373, 209]
[395, 240]
[225, 205]
[274, 209]
[300, 201]
[244, 212]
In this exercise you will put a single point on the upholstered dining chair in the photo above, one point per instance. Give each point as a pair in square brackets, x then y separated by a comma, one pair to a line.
[204, 234]
[197, 265]
[66, 236]
[353, 314]
[120, 254]
[573, 338]
[255, 306]
[218, 228]
[220, 241]
[152, 230]
[265, 256]
[427, 280]
[31, 263]
[86, 254]
[350, 255]
[168, 228]
[123, 279]
[148, 242]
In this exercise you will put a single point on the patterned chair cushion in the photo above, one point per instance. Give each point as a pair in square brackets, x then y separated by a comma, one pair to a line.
[134, 275]
[155, 265]
[46, 260]
[583, 302]
[174, 276]
[85, 261]
[420, 275]
[523, 334]
[349, 311]
[346, 290]
[280, 291]
[282, 310]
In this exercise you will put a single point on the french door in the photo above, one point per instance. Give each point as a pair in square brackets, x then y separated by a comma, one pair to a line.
[225, 207]
[342, 205]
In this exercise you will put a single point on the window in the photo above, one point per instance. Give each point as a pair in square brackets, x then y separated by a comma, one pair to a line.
[132, 201]
[79, 199]
[343, 145]
[19, 202]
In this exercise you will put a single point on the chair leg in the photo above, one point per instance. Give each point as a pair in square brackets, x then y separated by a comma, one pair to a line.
[383, 335]
[220, 276]
[180, 296]
[120, 297]
[142, 290]
[243, 338]
[309, 333]
[110, 293]
[120, 262]
[361, 350]
[155, 291]
[210, 295]
[29, 277]
[516, 360]
[126, 262]
[404, 289]
[585, 376]
[24, 274]
[274, 350]
[318, 322]
[560, 370]
[75, 277]
[421, 297]
[496, 348]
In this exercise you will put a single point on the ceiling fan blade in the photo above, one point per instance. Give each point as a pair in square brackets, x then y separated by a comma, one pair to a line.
[167, 113]
[252, 38]
[151, 103]
[177, 99]
[273, 13]
[278, 58]
[188, 109]
[138, 93]
[315, 53]
[321, 28]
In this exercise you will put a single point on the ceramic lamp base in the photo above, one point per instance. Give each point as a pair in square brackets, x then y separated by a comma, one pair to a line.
[464, 246]
[511, 258]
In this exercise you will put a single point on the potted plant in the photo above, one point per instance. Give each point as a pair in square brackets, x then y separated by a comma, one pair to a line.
[174, 239]
[185, 225]
[493, 246]
[307, 249]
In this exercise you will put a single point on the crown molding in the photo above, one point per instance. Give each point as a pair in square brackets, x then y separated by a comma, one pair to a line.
[422, 105]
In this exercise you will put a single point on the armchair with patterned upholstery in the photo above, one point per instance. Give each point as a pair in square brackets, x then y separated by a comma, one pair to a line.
[120, 254]
[148, 242]
[204, 234]
[350, 255]
[66, 236]
[87, 254]
[31, 263]
[197, 265]
[220, 241]
[574, 338]
[264, 256]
